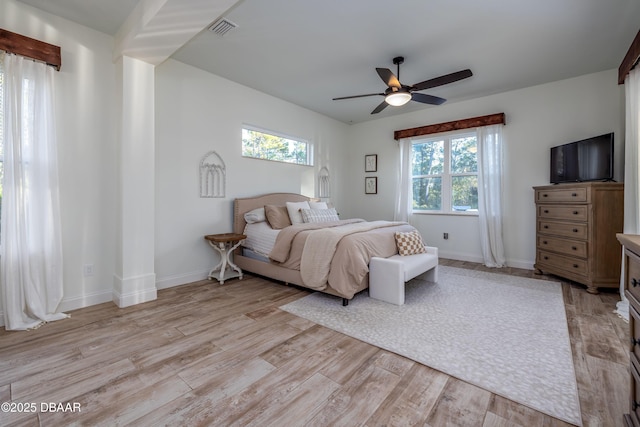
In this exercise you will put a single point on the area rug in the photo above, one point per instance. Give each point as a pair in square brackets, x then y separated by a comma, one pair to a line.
[503, 333]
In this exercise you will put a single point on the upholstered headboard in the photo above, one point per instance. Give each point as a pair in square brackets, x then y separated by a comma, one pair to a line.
[244, 205]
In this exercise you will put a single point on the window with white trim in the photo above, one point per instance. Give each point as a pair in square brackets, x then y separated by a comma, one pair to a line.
[267, 145]
[444, 173]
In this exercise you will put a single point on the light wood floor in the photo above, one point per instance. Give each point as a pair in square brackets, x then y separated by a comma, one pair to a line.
[205, 354]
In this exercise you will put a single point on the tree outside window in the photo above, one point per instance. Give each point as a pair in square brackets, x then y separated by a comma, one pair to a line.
[445, 174]
[260, 144]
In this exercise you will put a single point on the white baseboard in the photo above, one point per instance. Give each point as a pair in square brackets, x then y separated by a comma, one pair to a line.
[460, 256]
[515, 263]
[86, 300]
[181, 279]
[134, 290]
[518, 263]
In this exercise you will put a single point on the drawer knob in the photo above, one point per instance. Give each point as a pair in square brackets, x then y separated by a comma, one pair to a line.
[575, 230]
[635, 282]
[574, 194]
[574, 248]
[545, 195]
[546, 226]
[546, 211]
[575, 212]
[575, 266]
[544, 242]
[635, 405]
[634, 342]
[546, 257]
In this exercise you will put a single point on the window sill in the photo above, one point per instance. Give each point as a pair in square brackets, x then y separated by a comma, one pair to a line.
[461, 213]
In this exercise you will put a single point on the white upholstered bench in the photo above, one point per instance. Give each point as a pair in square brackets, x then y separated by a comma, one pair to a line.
[387, 276]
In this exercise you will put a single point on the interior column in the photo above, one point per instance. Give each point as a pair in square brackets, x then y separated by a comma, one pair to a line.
[134, 279]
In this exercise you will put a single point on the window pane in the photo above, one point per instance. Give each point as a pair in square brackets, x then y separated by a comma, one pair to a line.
[262, 145]
[464, 193]
[464, 155]
[428, 158]
[427, 194]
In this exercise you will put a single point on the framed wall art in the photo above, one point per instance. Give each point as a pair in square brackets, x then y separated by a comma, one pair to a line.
[371, 185]
[371, 163]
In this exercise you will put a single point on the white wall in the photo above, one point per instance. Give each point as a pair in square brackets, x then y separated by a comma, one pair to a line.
[537, 118]
[85, 112]
[198, 112]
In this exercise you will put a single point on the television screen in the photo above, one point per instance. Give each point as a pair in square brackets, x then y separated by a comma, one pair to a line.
[587, 160]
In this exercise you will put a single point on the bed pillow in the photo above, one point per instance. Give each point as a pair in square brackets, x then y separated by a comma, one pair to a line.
[319, 215]
[409, 243]
[294, 211]
[277, 216]
[318, 205]
[254, 216]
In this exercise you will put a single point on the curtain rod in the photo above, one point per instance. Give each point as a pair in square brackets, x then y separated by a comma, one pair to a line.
[30, 48]
[474, 122]
[630, 60]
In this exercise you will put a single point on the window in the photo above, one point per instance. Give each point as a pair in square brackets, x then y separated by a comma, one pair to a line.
[444, 173]
[261, 144]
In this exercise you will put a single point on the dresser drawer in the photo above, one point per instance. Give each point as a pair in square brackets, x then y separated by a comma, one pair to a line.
[561, 195]
[568, 212]
[563, 246]
[567, 263]
[564, 229]
[633, 274]
[635, 330]
[634, 398]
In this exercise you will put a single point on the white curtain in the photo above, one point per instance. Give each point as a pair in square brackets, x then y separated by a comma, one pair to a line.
[404, 193]
[31, 250]
[631, 175]
[490, 194]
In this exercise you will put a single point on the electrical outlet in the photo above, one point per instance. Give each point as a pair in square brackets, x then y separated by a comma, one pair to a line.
[88, 270]
[445, 236]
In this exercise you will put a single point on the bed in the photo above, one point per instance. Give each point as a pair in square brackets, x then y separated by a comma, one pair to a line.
[295, 254]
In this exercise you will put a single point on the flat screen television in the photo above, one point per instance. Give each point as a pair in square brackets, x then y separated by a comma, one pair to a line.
[590, 159]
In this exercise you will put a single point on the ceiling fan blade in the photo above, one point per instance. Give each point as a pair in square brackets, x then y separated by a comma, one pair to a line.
[380, 107]
[442, 80]
[427, 99]
[357, 96]
[388, 77]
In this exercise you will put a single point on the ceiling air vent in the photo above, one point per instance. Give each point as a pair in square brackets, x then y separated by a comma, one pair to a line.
[222, 27]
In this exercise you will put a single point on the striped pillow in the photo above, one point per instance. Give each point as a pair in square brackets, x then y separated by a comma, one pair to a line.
[409, 243]
[319, 215]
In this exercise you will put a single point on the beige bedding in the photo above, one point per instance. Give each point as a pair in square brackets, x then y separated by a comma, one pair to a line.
[338, 252]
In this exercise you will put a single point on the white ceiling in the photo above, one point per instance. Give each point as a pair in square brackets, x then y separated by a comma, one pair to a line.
[309, 51]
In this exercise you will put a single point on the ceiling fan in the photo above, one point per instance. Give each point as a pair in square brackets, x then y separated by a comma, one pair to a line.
[398, 94]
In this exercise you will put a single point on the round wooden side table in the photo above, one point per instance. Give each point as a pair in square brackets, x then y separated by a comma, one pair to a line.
[225, 244]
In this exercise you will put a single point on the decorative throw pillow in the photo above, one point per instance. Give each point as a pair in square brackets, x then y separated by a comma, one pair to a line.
[319, 215]
[409, 243]
[256, 215]
[277, 216]
[294, 211]
[318, 205]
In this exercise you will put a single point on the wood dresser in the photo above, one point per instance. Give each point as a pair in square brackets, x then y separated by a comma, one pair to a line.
[576, 226]
[631, 244]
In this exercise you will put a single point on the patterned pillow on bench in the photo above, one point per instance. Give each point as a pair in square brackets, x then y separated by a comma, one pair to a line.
[410, 243]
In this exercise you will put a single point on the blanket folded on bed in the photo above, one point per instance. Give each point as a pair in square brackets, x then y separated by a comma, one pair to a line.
[320, 248]
[282, 248]
[336, 254]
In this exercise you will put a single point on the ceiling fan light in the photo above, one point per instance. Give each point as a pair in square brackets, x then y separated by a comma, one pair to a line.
[398, 98]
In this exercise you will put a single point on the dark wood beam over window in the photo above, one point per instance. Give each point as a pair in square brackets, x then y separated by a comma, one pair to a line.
[630, 59]
[30, 48]
[474, 122]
